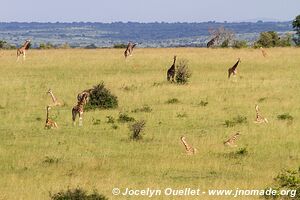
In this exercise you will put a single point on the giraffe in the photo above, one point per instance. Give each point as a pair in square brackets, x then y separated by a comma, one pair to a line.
[22, 50]
[87, 92]
[259, 118]
[49, 122]
[78, 109]
[264, 53]
[212, 41]
[233, 69]
[189, 149]
[231, 141]
[54, 99]
[129, 49]
[171, 71]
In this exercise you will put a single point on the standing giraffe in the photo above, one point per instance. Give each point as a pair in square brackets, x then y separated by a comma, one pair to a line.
[259, 118]
[212, 41]
[54, 99]
[231, 141]
[233, 70]
[264, 53]
[49, 122]
[87, 92]
[22, 50]
[189, 149]
[129, 49]
[171, 71]
[78, 109]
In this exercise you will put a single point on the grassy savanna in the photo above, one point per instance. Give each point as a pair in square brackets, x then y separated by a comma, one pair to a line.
[35, 161]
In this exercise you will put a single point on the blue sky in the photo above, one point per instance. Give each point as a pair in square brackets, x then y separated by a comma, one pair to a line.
[147, 11]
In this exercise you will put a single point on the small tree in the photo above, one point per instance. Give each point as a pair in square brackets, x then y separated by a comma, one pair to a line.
[182, 73]
[136, 130]
[296, 26]
[267, 39]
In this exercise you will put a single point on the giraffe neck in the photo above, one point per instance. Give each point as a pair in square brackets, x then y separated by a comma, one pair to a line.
[174, 61]
[53, 97]
[47, 116]
[186, 145]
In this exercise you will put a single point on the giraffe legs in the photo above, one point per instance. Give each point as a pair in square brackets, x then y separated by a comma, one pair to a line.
[80, 118]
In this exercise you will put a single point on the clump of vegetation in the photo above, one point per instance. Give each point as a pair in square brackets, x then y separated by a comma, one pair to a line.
[288, 180]
[123, 118]
[182, 72]
[238, 44]
[262, 99]
[285, 116]
[110, 119]
[50, 160]
[96, 121]
[172, 101]
[296, 27]
[119, 46]
[241, 152]
[271, 39]
[145, 108]
[77, 194]
[236, 120]
[203, 103]
[181, 115]
[102, 98]
[136, 130]
[114, 126]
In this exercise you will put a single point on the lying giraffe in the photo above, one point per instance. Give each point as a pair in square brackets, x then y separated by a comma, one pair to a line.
[259, 118]
[233, 70]
[49, 122]
[171, 71]
[54, 99]
[189, 149]
[129, 49]
[231, 141]
[22, 50]
[264, 53]
[78, 109]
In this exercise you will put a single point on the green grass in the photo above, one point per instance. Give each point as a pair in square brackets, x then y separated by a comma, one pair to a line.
[35, 161]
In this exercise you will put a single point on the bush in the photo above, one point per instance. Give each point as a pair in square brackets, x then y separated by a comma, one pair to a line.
[172, 101]
[287, 180]
[136, 129]
[267, 39]
[123, 118]
[236, 120]
[102, 98]
[238, 44]
[203, 103]
[285, 116]
[77, 194]
[145, 108]
[119, 46]
[182, 73]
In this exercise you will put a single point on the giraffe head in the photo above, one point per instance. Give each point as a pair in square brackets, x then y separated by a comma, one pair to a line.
[49, 91]
[182, 138]
[175, 57]
[48, 108]
[237, 134]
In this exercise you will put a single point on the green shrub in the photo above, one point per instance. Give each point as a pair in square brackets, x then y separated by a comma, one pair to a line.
[123, 118]
[236, 120]
[172, 101]
[285, 116]
[182, 72]
[110, 119]
[238, 44]
[119, 46]
[136, 130]
[287, 180]
[77, 194]
[102, 98]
